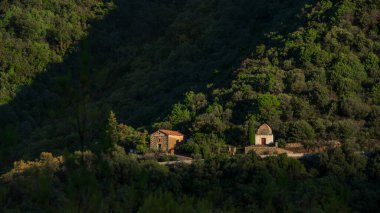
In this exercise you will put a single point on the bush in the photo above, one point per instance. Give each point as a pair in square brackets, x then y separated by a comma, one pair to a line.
[189, 147]
[163, 158]
[300, 130]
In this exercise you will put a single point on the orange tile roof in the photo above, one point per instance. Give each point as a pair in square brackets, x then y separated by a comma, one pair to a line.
[170, 132]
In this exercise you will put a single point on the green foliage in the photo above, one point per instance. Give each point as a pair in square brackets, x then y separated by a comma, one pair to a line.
[300, 130]
[36, 33]
[46, 164]
[165, 202]
[213, 120]
[114, 181]
[376, 94]
[324, 70]
[123, 135]
[252, 127]
[268, 107]
[195, 101]
[132, 139]
[179, 115]
[112, 136]
[371, 64]
[306, 61]
[296, 81]
[139, 67]
[190, 147]
[315, 75]
[374, 166]
[347, 74]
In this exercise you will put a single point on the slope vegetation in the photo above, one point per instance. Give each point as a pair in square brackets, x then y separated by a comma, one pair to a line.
[319, 82]
[138, 59]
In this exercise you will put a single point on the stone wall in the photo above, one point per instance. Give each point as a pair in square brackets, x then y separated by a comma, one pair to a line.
[294, 145]
[265, 150]
[158, 138]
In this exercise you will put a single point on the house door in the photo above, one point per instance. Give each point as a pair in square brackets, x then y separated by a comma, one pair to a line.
[159, 144]
[263, 141]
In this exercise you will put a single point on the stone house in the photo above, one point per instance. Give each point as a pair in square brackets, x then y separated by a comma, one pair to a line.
[264, 136]
[165, 140]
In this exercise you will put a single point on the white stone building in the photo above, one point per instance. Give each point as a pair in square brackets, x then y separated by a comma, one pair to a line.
[264, 136]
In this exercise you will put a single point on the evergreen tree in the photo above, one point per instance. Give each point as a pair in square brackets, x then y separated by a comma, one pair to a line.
[112, 136]
[251, 131]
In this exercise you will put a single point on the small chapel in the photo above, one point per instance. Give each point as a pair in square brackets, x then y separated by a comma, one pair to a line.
[165, 140]
[264, 136]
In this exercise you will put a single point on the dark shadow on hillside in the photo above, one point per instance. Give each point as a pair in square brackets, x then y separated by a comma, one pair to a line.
[144, 56]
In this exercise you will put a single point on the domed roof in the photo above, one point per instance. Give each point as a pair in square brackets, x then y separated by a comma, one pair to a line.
[264, 130]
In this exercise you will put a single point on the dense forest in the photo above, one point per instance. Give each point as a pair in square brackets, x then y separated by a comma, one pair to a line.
[113, 181]
[137, 58]
[214, 70]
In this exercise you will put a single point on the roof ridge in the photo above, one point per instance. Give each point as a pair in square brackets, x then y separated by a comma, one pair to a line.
[171, 132]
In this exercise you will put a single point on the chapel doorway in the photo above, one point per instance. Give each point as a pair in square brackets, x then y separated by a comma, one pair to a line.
[263, 141]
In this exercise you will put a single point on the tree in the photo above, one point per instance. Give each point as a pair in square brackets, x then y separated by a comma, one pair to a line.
[295, 79]
[112, 135]
[179, 115]
[130, 138]
[81, 98]
[300, 130]
[268, 107]
[195, 101]
[252, 125]
[376, 93]
[372, 65]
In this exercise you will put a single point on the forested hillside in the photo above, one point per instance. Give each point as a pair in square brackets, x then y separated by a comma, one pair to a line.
[319, 82]
[138, 58]
[308, 69]
[98, 76]
[337, 181]
[35, 34]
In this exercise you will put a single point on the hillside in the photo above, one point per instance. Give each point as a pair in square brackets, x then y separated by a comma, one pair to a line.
[138, 58]
[309, 69]
[319, 82]
[83, 82]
